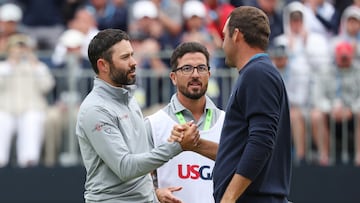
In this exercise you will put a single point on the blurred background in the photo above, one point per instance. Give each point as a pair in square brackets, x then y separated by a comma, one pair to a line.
[45, 74]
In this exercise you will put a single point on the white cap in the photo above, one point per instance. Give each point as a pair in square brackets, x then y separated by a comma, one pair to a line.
[72, 38]
[144, 8]
[10, 12]
[194, 8]
[353, 12]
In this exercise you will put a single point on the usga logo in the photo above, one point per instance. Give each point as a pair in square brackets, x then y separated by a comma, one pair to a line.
[194, 172]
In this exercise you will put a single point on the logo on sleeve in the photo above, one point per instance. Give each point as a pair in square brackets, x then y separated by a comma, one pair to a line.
[98, 127]
[122, 117]
[102, 127]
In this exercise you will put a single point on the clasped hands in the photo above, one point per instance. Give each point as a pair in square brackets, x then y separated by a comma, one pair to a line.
[187, 135]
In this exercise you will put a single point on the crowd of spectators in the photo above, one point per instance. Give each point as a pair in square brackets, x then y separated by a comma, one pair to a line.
[314, 43]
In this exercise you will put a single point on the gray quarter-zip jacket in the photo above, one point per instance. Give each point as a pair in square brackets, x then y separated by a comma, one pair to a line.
[117, 152]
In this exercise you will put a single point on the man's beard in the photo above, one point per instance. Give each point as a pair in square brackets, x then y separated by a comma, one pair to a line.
[193, 95]
[120, 77]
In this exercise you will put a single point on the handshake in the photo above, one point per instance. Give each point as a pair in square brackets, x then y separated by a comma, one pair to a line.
[189, 138]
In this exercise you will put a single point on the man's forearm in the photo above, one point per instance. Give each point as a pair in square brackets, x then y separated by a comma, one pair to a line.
[235, 189]
[206, 148]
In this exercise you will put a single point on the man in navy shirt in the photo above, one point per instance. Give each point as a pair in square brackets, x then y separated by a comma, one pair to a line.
[253, 162]
[253, 158]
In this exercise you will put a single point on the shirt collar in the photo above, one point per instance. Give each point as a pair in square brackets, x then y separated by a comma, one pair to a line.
[118, 93]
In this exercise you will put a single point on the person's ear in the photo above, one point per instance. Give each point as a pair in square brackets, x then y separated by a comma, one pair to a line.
[237, 35]
[102, 65]
[172, 76]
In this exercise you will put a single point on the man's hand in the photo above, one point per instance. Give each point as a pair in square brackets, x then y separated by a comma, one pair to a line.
[165, 195]
[177, 133]
[189, 138]
[187, 135]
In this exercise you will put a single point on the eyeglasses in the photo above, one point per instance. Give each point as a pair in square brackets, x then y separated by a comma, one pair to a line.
[189, 69]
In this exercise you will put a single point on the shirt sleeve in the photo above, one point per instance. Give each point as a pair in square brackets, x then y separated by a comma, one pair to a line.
[260, 95]
[148, 130]
[111, 145]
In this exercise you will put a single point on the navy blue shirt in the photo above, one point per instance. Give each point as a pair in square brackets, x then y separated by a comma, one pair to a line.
[256, 139]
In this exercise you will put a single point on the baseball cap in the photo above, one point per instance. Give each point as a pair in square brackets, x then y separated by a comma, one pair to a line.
[144, 8]
[72, 38]
[194, 8]
[10, 12]
[277, 51]
[344, 49]
[278, 48]
[352, 12]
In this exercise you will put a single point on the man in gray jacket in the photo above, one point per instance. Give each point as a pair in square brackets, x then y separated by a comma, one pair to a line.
[117, 151]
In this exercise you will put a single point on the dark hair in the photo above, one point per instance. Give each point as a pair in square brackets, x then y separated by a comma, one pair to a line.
[252, 23]
[296, 15]
[100, 45]
[187, 47]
